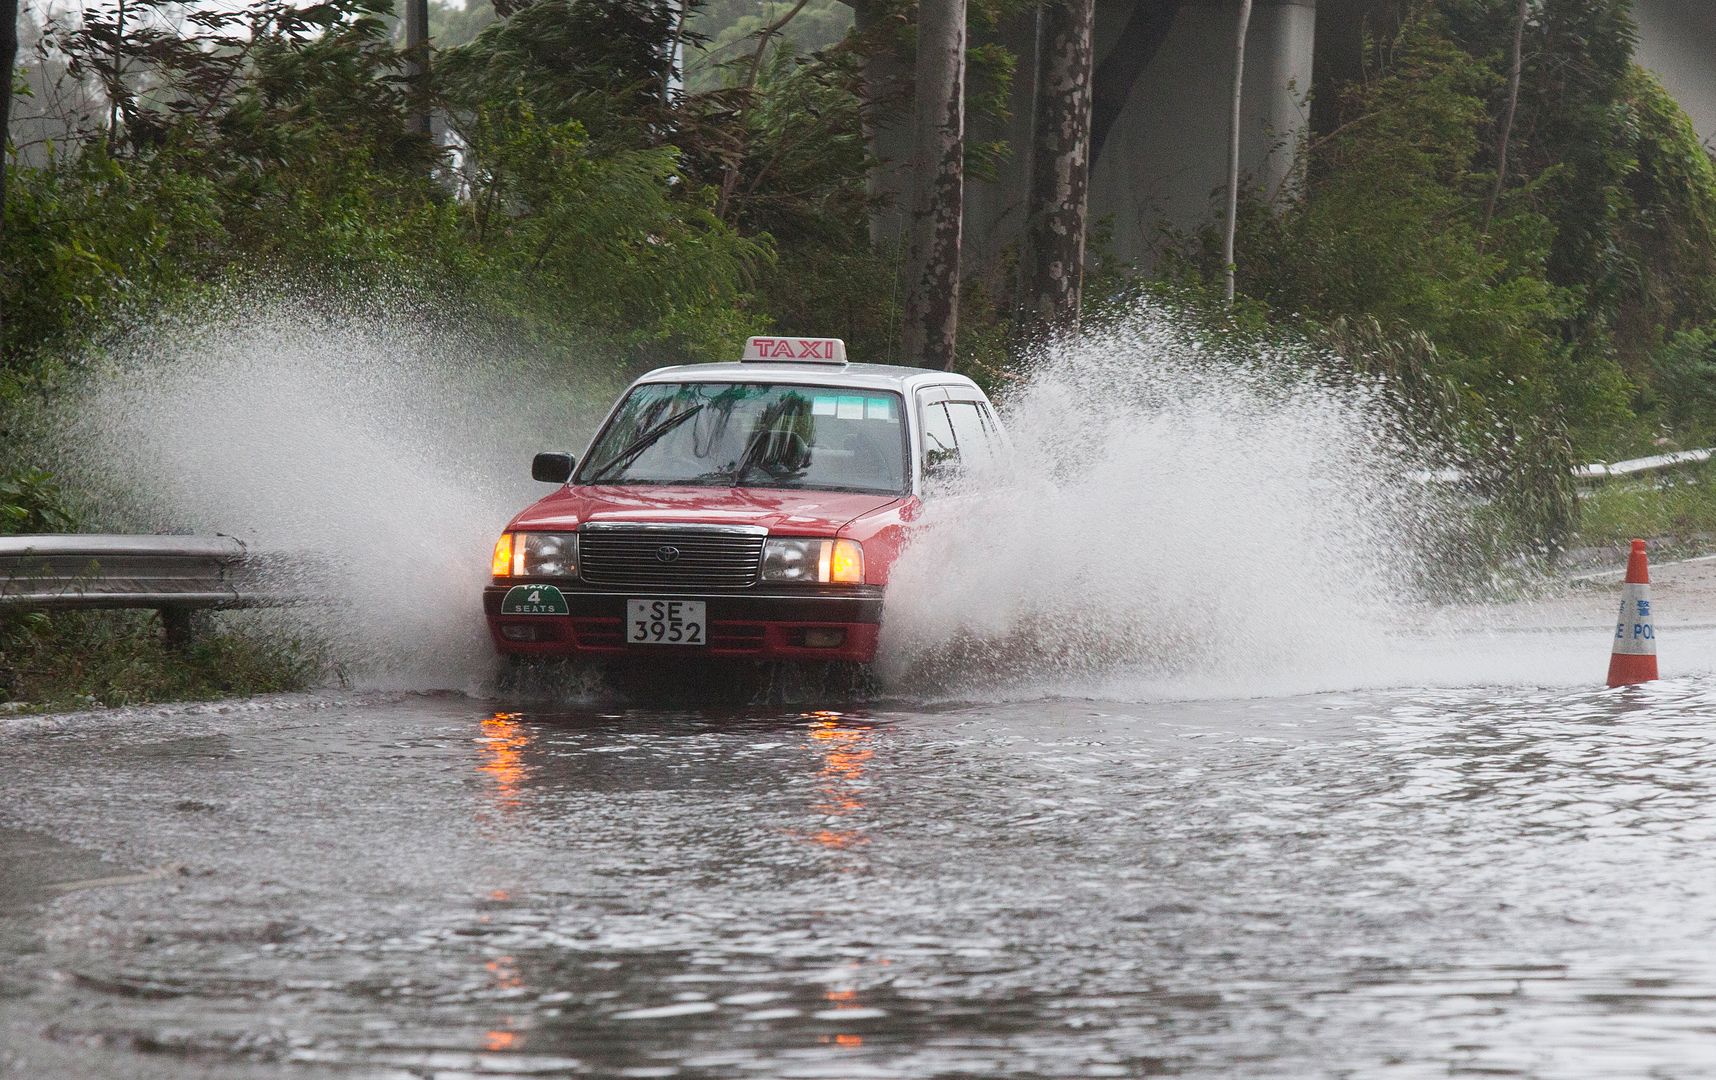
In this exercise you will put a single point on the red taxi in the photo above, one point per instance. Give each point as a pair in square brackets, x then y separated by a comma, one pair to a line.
[748, 510]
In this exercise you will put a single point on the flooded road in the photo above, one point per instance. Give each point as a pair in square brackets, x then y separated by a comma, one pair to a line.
[1388, 883]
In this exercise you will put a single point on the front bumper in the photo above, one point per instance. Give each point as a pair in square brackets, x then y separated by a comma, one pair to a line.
[759, 623]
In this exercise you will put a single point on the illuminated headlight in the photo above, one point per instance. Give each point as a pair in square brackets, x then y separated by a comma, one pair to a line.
[536, 555]
[813, 562]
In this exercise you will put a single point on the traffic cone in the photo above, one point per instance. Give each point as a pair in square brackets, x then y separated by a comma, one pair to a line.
[1634, 658]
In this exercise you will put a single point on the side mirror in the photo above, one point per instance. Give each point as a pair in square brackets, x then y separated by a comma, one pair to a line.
[552, 468]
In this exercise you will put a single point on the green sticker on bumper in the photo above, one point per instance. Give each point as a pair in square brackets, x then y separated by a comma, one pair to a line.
[533, 600]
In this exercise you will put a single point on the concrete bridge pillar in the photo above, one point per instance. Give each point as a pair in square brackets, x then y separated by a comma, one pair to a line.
[1165, 162]
[1677, 41]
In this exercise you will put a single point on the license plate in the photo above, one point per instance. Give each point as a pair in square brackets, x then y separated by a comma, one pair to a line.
[666, 622]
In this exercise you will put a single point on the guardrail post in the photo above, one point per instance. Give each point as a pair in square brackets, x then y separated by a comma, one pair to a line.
[181, 626]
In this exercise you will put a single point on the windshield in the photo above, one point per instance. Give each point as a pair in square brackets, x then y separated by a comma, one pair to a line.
[753, 435]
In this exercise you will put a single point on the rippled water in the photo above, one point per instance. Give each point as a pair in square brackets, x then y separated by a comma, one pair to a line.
[1394, 883]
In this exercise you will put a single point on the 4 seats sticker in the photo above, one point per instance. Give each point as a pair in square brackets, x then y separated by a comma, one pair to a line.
[533, 600]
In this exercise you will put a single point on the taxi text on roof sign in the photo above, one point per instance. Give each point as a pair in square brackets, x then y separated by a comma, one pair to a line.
[802, 350]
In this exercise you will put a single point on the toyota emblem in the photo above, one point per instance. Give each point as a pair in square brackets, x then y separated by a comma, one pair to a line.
[667, 553]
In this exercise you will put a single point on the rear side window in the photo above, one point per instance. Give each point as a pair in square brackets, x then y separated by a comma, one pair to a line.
[972, 433]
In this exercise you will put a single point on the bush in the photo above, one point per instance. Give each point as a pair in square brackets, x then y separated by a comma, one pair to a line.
[86, 659]
[31, 502]
[619, 243]
[1683, 379]
[1389, 226]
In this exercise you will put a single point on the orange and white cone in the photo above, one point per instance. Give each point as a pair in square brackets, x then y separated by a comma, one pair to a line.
[1634, 658]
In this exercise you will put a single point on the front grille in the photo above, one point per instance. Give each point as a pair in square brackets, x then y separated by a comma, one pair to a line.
[709, 560]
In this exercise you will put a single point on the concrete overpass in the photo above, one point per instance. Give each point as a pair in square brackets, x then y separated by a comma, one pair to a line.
[1677, 40]
[1163, 89]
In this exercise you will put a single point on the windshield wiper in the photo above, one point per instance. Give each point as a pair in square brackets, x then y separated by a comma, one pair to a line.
[749, 459]
[642, 442]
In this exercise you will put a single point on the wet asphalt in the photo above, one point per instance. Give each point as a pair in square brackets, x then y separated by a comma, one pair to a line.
[1387, 884]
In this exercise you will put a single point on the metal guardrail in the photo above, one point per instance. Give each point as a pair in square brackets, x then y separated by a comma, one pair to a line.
[176, 575]
[1642, 466]
[1596, 472]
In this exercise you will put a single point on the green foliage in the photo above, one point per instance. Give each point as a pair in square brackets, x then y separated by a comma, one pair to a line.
[1683, 383]
[730, 28]
[802, 175]
[594, 208]
[1390, 227]
[838, 290]
[614, 242]
[1670, 237]
[272, 141]
[1610, 163]
[1508, 324]
[88, 235]
[1553, 322]
[1601, 247]
[270, 137]
[91, 659]
[598, 62]
[31, 502]
[1577, 61]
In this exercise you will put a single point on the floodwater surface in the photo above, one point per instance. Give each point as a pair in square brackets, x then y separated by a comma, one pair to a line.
[1387, 883]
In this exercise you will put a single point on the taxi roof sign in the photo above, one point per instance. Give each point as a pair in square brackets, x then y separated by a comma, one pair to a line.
[794, 350]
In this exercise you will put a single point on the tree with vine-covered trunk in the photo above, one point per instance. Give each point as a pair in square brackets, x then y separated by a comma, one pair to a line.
[931, 318]
[1052, 265]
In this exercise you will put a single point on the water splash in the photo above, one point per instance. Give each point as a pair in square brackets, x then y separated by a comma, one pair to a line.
[1178, 519]
[379, 446]
[1181, 520]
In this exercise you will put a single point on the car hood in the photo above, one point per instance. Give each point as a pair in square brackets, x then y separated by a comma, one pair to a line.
[785, 513]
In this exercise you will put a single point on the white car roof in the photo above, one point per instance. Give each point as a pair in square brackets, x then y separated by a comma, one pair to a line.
[854, 376]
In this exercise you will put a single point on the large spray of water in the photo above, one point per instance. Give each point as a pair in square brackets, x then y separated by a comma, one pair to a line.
[1177, 519]
[377, 447]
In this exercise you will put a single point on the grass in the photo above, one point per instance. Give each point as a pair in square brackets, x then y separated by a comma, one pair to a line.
[76, 660]
[1679, 507]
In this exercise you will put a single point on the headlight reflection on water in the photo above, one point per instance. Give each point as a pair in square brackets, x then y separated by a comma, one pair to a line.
[501, 752]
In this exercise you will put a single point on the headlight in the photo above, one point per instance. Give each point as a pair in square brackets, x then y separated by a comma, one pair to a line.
[536, 555]
[814, 562]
